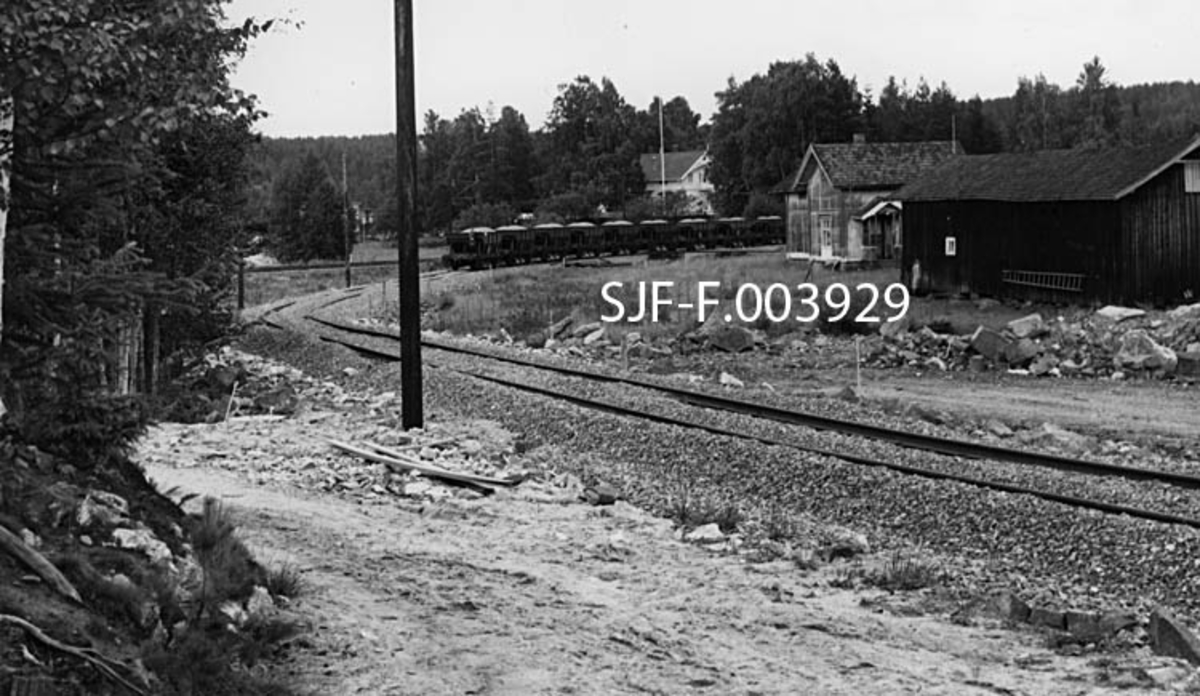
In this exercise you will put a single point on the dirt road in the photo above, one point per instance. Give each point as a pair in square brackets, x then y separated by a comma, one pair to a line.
[533, 592]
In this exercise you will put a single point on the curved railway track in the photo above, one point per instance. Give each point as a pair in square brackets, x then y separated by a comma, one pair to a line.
[929, 443]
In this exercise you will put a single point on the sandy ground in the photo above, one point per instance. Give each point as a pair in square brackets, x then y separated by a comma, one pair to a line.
[1146, 409]
[534, 592]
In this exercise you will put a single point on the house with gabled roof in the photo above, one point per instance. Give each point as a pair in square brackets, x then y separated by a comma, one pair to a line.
[838, 201]
[1112, 225]
[680, 172]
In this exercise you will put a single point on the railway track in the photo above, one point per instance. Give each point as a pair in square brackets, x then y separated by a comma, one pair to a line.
[957, 448]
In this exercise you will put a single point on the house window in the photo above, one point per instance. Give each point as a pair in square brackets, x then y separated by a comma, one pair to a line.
[1191, 177]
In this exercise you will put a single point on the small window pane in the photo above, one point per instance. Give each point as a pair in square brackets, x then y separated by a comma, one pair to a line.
[1191, 177]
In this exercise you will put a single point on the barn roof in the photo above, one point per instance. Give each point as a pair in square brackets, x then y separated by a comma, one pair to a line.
[873, 166]
[1048, 175]
[678, 164]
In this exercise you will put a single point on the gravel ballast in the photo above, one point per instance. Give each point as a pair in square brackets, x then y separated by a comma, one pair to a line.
[1048, 552]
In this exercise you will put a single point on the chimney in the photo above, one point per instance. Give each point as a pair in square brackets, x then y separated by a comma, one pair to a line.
[860, 138]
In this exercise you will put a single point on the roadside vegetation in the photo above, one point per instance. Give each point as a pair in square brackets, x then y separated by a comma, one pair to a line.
[123, 152]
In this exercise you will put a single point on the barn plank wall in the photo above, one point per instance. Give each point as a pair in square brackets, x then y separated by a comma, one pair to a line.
[1160, 250]
[1054, 237]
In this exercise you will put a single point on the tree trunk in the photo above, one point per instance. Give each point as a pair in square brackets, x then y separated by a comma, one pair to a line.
[6, 152]
[150, 347]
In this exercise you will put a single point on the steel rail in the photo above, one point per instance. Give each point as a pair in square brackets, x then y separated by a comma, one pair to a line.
[617, 409]
[912, 440]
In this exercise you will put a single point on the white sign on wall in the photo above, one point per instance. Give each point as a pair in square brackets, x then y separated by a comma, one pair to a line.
[951, 246]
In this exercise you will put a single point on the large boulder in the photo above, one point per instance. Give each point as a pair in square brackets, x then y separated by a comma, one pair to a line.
[1189, 364]
[559, 328]
[586, 329]
[102, 509]
[1028, 327]
[1170, 637]
[1140, 352]
[992, 345]
[1021, 352]
[1116, 314]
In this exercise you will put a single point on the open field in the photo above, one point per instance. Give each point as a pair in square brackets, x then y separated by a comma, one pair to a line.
[525, 299]
[270, 286]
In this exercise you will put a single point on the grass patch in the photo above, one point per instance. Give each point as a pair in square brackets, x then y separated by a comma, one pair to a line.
[527, 299]
[230, 572]
[690, 512]
[285, 581]
[902, 573]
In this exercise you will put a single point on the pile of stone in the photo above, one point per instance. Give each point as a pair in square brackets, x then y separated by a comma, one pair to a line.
[1113, 342]
[569, 337]
[229, 383]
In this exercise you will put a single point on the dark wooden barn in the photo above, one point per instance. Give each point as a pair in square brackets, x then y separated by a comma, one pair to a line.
[1115, 225]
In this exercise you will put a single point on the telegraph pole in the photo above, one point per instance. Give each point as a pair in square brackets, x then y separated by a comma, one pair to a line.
[346, 219]
[411, 396]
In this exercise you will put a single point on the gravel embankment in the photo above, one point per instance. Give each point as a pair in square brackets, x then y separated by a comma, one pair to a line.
[1049, 553]
[1154, 496]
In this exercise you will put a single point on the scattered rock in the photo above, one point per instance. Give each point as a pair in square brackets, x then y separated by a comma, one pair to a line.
[600, 494]
[893, 329]
[1140, 352]
[585, 329]
[235, 613]
[143, 540]
[1043, 365]
[101, 508]
[1028, 327]
[706, 534]
[1021, 352]
[1168, 636]
[1188, 364]
[1119, 314]
[1167, 676]
[992, 345]
[732, 339]
[282, 401]
[998, 428]
[846, 544]
[848, 393]
[1052, 434]
[558, 328]
[1010, 607]
[594, 336]
[729, 380]
[977, 363]
[537, 339]
[260, 603]
[1050, 618]
[1185, 311]
[937, 362]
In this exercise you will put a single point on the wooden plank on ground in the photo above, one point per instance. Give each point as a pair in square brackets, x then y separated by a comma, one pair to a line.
[399, 461]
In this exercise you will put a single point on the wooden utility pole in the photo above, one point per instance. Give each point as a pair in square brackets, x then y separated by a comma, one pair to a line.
[411, 396]
[346, 219]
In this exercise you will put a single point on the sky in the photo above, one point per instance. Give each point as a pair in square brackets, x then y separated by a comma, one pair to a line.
[331, 71]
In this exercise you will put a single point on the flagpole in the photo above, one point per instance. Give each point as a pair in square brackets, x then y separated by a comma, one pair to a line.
[662, 159]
